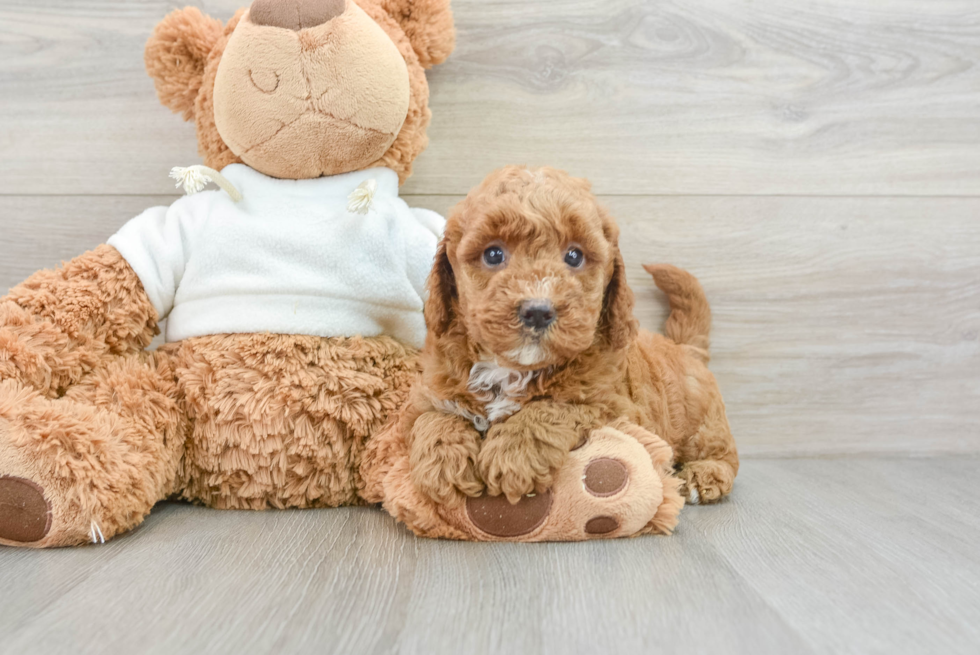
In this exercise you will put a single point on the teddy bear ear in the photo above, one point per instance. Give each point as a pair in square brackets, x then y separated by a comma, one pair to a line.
[428, 24]
[176, 54]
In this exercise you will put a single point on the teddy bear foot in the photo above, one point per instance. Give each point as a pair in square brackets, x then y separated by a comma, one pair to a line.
[608, 487]
[84, 485]
[25, 513]
[601, 478]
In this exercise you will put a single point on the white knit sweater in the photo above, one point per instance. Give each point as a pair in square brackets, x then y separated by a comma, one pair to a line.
[288, 258]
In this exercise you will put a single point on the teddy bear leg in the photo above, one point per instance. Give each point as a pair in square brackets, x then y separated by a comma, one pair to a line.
[89, 465]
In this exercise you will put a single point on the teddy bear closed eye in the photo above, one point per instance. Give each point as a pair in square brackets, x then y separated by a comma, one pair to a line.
[293, 292]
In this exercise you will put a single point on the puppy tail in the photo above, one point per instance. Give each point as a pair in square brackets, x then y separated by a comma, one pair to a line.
[689, 322]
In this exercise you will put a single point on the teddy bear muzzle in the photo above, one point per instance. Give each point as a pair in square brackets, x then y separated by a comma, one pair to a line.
[307, 88]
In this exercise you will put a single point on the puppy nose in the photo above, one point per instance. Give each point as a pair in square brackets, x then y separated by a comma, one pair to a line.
[295, 14]
[537, 314]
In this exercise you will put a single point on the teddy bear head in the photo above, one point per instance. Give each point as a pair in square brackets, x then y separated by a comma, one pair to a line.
[304, 88]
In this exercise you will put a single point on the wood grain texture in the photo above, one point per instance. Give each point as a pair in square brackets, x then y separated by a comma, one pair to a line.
[860, 533]
[807, 556]
[820, 97]
[841, 325]
[726, 137]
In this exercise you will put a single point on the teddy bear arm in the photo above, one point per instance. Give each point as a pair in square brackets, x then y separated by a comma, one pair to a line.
[60, 324]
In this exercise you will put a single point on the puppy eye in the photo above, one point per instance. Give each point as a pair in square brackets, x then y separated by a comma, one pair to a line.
[574, 257]
[493, 256]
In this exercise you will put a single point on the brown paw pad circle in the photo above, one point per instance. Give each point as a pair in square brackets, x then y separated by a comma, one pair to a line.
[605, 477]
[25, 515]
[495, 515]
[601, 525]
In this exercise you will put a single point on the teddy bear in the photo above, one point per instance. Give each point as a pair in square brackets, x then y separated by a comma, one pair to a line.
[293, 291]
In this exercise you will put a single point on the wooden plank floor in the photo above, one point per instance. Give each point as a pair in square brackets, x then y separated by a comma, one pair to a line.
[809, 556]
[815, 162]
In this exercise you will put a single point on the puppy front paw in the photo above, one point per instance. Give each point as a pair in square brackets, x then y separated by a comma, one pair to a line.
[515, 466]
[446, 473]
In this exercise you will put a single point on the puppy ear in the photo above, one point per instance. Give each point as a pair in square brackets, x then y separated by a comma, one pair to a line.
[617, 323]
[176, 54]
[441, 286]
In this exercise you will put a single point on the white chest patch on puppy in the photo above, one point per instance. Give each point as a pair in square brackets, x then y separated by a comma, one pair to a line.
[527, 355]
[499, 388]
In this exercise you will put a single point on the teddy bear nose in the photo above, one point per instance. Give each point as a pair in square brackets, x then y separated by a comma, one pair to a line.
[295, 14]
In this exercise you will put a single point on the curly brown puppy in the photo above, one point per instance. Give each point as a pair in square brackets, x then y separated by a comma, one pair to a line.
[532, 343]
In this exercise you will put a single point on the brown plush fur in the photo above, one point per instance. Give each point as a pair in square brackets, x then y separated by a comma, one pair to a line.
[591, 366]
[281, 420]
[186, 49]
[231, 421]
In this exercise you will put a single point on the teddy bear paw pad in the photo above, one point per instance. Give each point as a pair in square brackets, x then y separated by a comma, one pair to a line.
[25, 514]
[605, 477]
[601, 525]
[495, 515]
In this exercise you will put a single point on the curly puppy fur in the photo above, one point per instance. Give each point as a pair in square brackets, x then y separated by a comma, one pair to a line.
[588, 368]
